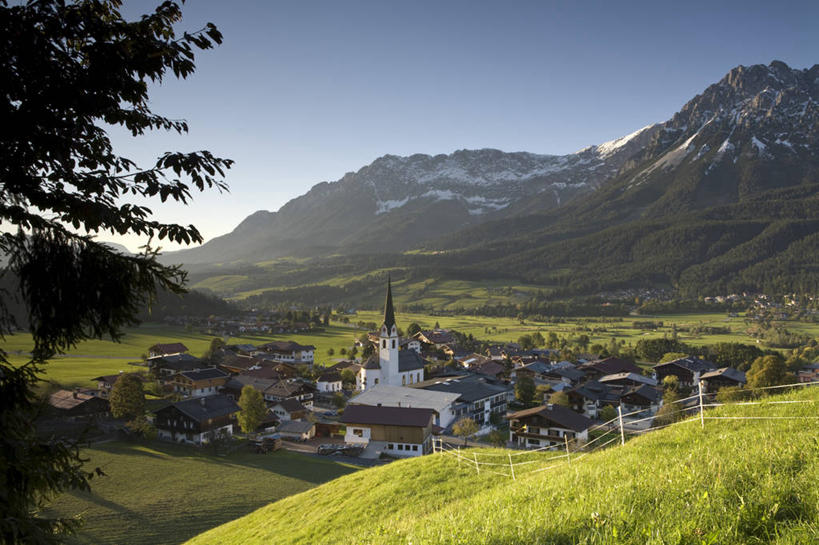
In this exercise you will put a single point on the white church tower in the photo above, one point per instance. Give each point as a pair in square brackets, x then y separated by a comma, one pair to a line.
[388, 342]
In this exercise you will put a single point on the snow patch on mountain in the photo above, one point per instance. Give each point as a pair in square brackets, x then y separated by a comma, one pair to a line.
[607, 148]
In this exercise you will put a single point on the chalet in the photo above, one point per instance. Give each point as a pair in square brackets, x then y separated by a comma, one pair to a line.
[77, 404]
[590, 397]
[175, 363]
[490, 369]
[106, 383]
[397, 431]
[479, 396]
[329, 381]
[533, 369]
[296, 430]
[439, 338]
[233, 387]
[726, 376]
[265, 372]
[547, 426]
[608, 366]
[809, 373]
[687, 370]
[197, 421]
[442, 403]
[566, 374]
[627, 379]
[288, 409]
[166, 349]
[291, 389]
[472, 360]
[204, 382]
[641, 398]
[239, 363]
[289, 351]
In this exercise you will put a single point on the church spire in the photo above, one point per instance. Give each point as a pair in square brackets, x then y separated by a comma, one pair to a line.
[389, 311]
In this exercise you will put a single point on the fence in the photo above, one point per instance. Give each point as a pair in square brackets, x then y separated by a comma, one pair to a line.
[514, 462]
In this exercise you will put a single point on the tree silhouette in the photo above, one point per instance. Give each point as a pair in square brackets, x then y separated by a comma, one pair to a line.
[69, 70]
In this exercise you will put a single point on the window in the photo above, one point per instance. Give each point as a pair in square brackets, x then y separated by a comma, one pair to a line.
[389, 446]
[415, 448]
[400, 447]
[403, 380]
[383, 343]
[358, 433]
[375, 381]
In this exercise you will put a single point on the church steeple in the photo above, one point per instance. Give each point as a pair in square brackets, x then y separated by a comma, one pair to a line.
[389, 311]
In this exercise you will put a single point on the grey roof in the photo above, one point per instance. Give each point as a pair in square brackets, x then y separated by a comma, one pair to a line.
[295, 426]
[596, 391]
[291, 405]
[178, 362]
[727, 372]
[634, 377]
[538, 366]
[409, 360]
[329, 376]
[202, 408]
[372, 362]
[470, 387]
[645, 391]
[611, 365]
[205, 374]
[387, 416]
[564, 417]
[398, 396]
[693, 364]
[567, 372]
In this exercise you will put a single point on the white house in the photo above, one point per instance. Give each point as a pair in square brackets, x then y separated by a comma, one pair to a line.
[329, 381]
[398, 431]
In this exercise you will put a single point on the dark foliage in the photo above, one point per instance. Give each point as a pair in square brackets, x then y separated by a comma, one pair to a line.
[67, 69]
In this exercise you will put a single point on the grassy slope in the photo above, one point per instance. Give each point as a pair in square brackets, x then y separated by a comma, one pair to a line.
[736, 482]
[165, 493]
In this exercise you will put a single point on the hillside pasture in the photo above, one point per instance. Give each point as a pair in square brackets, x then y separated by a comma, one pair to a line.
[161, 493]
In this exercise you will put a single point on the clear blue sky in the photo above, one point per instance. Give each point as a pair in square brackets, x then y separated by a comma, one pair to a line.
[302, 92]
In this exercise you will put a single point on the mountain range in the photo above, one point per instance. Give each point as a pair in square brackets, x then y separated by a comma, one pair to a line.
[721, 196]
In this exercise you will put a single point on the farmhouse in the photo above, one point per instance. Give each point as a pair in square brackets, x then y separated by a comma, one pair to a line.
[288, 409]
[687, 370]
[297, 430]
[726, 376]
[547, 426]
[398, 431]
[592, 396]
[197, 421]
[442, 403]
[627, 379]
[809, 373]
[73, 404]
[289, 351]
[106, 383]
[390, 365]
[175, 363]
[166, 349]
[203, 382]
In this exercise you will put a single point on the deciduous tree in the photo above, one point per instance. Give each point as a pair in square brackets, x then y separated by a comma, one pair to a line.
[253, 409]
[127, 397]
[465, 427]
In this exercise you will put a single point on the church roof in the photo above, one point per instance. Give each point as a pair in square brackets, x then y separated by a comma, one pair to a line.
[389, 311]
[409, 360]
[372, 362]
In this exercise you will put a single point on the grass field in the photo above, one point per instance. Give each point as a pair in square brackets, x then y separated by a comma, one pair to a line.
[165, 493]
[733, 483]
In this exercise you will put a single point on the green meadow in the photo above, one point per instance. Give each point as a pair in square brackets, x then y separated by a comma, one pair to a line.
[164, 493]
[735, 482]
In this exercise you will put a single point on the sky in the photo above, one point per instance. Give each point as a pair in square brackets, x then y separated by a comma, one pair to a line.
[305, 91]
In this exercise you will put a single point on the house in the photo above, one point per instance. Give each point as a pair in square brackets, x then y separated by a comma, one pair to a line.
[478, 396]
[288, 409]
[203, 382]
[490, 369]
[233, 387]
[398, 431]
[809, 373]
[438, 338]
[687, 370]
[166, 349]
[296, 430]
[289, 351]
[77, 403]
[106, 383]
[389, 364]
[547, 426]
[329, 381]
[590, 397]
[641, 398]
[175, 363]
[442, 403]
[292, 388]
[472, 360]
[197, 421]
[725, 376]
[239, 363]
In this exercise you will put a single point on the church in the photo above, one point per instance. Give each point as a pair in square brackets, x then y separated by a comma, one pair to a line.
[389, 364]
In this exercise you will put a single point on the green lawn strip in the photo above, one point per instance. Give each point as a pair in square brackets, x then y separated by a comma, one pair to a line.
[165, 493]
[733, 483]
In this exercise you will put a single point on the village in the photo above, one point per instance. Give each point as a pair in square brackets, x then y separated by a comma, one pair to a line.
[394, 400]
